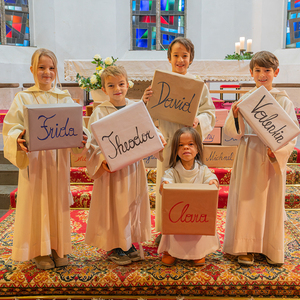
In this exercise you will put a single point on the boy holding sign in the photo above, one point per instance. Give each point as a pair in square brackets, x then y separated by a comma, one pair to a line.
[255, 212]
[120, 212]
[180, 55]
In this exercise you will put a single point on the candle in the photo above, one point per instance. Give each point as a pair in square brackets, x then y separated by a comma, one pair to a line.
[237, 47]
[242, 42]
[249, 45]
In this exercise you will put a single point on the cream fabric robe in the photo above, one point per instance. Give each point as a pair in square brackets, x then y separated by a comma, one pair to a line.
[120, 211]
[255, 212]
[206, 117]
[189, 246]
[42, 216]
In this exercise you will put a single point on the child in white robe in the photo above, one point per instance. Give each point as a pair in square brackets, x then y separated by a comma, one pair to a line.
[120, 210]
[180, 55]
[187, 167]
[255, 211]
[42, 224]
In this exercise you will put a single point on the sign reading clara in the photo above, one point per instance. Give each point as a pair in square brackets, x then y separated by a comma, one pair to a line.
[53, 126]
[268, 119]
[175, 97]
[189, 208]
[126, 136]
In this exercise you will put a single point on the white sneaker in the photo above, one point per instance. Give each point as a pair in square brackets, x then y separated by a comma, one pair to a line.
[59, 261]
[44, 262]
[246, 259]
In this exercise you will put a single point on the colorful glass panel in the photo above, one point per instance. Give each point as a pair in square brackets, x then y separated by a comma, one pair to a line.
[293, 24]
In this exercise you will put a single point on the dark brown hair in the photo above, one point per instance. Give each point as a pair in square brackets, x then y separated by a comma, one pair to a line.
[187, 43]
[264, 59]
[175, 144]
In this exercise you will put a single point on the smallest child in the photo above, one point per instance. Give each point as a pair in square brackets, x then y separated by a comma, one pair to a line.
[186, 166]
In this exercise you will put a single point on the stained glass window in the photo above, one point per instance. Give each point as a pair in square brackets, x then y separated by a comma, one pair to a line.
[153, 28]
[17, 23]
[293, 24]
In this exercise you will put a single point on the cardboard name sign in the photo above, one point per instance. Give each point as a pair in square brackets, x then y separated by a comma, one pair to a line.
[214, 137]
[189, 208]
[268, 119]
[127, 136]
[221, 115]
[53, 126]
[175, 97]
[229, 141]
[219, 156]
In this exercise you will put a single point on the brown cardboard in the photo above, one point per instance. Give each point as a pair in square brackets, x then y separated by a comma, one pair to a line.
[175, 97]
[78, 160]
[219, 156]
[53, 126]
[221, 115]
[189, 208]
[214, 137]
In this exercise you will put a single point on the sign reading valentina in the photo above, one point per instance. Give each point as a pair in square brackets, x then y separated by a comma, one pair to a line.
[53, 126]
[189, 208]
[175, 97]
[127, 136]
[268, 119]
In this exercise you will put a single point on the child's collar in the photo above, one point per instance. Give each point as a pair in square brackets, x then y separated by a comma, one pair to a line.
[54, 90]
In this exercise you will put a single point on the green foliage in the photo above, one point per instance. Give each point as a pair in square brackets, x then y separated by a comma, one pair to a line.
[236, 56]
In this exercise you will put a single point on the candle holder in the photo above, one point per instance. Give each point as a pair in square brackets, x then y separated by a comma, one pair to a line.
[249, 52]
[242, 51]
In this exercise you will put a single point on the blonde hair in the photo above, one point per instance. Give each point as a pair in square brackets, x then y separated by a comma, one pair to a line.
[113, 71]
[187, 43]
[264, 59]
[35, 61]
[175, 145]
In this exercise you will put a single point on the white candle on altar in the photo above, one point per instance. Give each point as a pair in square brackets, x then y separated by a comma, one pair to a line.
[242, 42]
[249, 45]
[237, 47]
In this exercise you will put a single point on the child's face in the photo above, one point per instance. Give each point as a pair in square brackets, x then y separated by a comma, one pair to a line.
[46, 72]
[187, 148]
[116, 88]
[180, 59]
[263, 76]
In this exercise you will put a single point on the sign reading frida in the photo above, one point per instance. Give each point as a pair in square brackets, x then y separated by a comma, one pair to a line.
[175, 97]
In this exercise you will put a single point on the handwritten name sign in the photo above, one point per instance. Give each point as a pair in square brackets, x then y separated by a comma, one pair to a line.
[175, 97]
[53, 126]
[228, 141]
[219, 156]
[189, 209]
[221, 115]
[268, 119]
[214, 137]
[127, 136]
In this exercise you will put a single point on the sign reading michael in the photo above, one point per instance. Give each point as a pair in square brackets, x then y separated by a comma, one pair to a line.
[126, 136]
[175, 97]
[53, 126]
[268, 119]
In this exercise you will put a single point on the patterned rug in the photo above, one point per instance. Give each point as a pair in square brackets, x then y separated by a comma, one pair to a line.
[89, 273]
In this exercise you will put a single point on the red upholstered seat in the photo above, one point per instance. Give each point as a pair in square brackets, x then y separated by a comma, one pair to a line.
[230, 86]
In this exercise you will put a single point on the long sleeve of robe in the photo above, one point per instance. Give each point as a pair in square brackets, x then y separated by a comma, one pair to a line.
[255, 212]
[206, 118]
[120, 211]
[189, 246]
[42, 215]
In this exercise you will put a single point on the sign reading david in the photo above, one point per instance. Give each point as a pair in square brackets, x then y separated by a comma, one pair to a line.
[53, 126]
[175, 97]
[268, 119]
[126, 136]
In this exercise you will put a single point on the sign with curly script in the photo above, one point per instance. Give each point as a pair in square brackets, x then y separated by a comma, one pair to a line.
[268, 119]
[175, 97]
[53, 126]
[189, 208]
[126, 136]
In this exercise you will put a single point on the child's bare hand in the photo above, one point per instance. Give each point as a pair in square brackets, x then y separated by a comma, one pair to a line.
[270, 153]
[163, 140]
[214, 181]
[162, 184]
[22, 142]
[196, 123]
[105, 166]
[84, 140]
[235, 109]
[147, 94]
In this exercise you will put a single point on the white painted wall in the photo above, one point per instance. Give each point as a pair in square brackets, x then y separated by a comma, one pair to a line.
[79, 29]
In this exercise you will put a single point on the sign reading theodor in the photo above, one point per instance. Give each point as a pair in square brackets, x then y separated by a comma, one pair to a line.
[175, 97]
[189, 208]
[53, 126]
[126, 136]
[268, 119]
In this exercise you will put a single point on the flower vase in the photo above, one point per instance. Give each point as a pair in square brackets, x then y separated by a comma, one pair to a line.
[99, 96]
